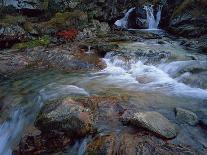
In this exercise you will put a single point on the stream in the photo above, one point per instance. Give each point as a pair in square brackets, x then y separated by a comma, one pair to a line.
[153, 85]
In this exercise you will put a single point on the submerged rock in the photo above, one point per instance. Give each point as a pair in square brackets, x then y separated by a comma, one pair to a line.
[186, 116]
[65, 116]
[154, 122]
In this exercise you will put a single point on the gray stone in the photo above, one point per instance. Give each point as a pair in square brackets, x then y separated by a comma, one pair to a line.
[155, 122]
[65, 115]
[186, 116]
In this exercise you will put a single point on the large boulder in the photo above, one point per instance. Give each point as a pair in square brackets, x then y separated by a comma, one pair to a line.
[66, 116]
[153, 121]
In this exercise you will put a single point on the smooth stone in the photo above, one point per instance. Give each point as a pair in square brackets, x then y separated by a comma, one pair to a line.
[155, 122]
[186, 116]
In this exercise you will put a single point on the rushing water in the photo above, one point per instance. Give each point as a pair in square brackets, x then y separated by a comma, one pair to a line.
[152, 20]
[124, 21]
[151, 86]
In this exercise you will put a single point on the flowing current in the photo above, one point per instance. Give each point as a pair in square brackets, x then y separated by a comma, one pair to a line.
[152, 20]
[151, 85]
[136, 75]
[124, 21]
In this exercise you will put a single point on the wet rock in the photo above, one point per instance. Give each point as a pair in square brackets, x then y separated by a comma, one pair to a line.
[154, 122]
[11, 62]
[194, 79]
[102, 145]
[107, 110]
[65, 116]
[186, 116]
[42, 143]
[65, 58]
[140, 143]
[134, 144]
[10, 35]
[203, 123]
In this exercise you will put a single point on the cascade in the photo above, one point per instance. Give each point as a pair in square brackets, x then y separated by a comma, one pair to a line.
[153, 21]
[124, 21]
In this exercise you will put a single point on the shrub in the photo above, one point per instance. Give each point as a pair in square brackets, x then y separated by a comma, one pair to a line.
[33, 43]
[69, 34]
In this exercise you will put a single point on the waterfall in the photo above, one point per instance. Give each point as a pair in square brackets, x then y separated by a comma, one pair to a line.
[153, 21]
[124, 21]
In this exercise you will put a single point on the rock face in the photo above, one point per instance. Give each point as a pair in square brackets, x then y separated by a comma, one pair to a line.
[65, 116]
[189, 18]
[154, 122]
[186, 116]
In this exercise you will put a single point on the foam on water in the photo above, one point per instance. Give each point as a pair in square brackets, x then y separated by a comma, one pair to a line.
[124, 21]
[137, 75]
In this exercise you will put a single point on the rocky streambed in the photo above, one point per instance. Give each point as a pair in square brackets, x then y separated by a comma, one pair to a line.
[131, 92]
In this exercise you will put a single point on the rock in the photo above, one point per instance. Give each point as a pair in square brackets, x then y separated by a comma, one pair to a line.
[186, 116]
[137, 19]
[194, 79]
[10, 35]
[154, 122]
[65, 57]
[12, 62]
[186, 16]
[65, 116]
[42, 143]
[134, 144]
[102, 145]
[203, 123]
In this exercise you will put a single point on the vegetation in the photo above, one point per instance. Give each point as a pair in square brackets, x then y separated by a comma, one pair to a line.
[69, 34]
[33, 43]
[9, 19]
[67, 18]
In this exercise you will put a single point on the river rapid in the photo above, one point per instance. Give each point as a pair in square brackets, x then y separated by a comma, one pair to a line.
[161, 78]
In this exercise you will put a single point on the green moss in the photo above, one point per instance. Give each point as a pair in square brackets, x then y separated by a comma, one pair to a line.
[28, 26]
[72, 18]
[33, 43]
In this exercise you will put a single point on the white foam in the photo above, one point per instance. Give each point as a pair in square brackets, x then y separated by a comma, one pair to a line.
[137, 75]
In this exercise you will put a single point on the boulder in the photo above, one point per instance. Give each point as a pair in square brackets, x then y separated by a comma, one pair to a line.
[186, 116]
[66, 116]
[154, 122]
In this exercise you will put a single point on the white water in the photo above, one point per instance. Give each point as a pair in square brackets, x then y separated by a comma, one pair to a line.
[153, 21]
[123, 23]
[11, 129]
[136, 75]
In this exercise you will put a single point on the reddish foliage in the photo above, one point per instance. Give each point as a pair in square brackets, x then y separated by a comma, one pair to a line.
[69, 34]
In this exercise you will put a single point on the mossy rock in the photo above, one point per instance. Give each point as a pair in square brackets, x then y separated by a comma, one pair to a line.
[43, 41]
[75, 19]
